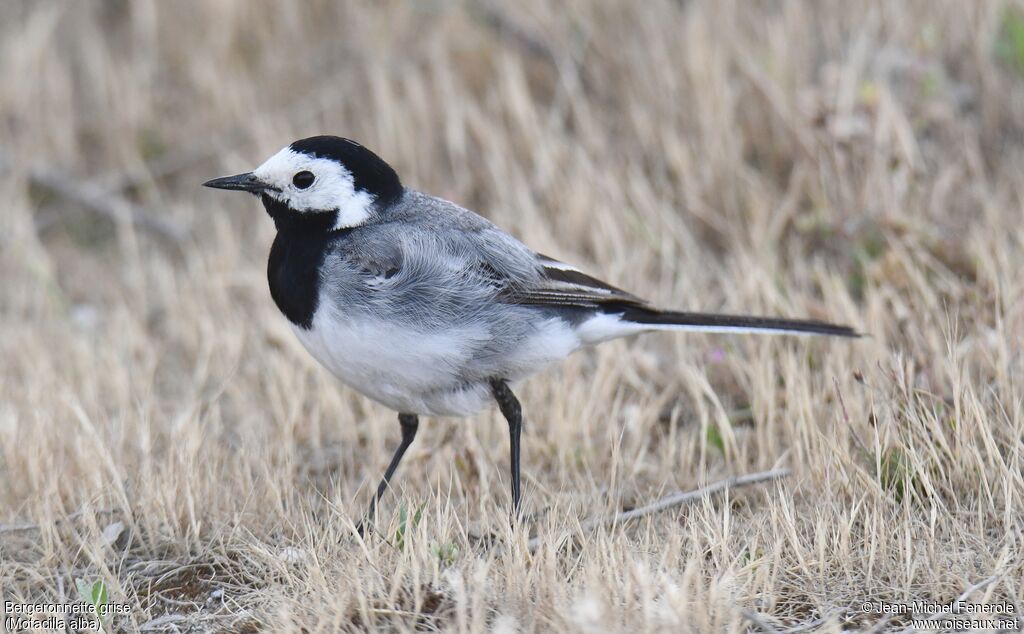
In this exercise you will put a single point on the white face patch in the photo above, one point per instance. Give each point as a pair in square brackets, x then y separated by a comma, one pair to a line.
[333, 187]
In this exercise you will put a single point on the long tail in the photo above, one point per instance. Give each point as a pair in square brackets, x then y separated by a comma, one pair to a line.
[623, 321]
[709, 322]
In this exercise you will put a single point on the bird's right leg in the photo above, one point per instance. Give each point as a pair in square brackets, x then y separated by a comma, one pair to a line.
[409, 423]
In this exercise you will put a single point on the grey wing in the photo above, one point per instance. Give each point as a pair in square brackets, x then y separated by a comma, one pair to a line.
[435, 261]
[429, 276]
[491, 266]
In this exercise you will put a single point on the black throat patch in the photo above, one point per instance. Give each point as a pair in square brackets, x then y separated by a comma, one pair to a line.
[296, 257]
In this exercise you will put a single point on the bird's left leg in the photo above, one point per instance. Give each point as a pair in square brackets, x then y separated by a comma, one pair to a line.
[513, 413]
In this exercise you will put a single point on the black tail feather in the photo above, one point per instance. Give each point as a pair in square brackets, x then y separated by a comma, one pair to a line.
[710, 321]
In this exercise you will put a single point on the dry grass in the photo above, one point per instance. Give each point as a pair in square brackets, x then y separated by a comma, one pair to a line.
[860, 163]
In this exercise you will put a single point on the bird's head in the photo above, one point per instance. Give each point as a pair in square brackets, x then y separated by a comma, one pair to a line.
[329, 179]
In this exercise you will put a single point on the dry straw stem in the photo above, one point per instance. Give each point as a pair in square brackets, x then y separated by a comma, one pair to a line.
[674, 501]
[856, 162]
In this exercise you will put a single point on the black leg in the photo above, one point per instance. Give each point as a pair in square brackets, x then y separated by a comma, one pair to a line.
[410, 423]
[513, 412]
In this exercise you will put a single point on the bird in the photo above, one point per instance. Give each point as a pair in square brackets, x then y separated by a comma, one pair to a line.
[427, 307]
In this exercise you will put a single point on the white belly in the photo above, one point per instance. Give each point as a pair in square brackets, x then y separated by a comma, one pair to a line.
[436, 373]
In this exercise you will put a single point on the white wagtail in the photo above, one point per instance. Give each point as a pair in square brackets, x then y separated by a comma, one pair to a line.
[426, 307]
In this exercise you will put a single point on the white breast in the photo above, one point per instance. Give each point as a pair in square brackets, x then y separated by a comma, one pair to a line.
[437, 373]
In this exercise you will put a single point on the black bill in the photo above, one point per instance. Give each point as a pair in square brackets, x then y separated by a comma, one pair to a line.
[240, 182]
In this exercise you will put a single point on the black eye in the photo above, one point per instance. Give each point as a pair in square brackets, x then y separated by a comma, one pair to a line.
[303, 179]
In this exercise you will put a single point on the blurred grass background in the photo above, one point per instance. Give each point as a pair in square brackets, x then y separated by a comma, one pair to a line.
[162, 434]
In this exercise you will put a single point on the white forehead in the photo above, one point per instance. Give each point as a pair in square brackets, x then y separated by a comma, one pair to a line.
[333, 186]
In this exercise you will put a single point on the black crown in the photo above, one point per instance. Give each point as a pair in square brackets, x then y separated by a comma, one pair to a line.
[370, 172]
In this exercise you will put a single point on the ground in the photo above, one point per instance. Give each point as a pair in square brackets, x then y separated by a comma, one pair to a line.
[166, 442]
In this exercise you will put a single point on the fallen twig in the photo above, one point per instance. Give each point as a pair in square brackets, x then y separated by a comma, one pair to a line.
[675, 500]
[96, 199]
[17, 528]
[105, 203]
